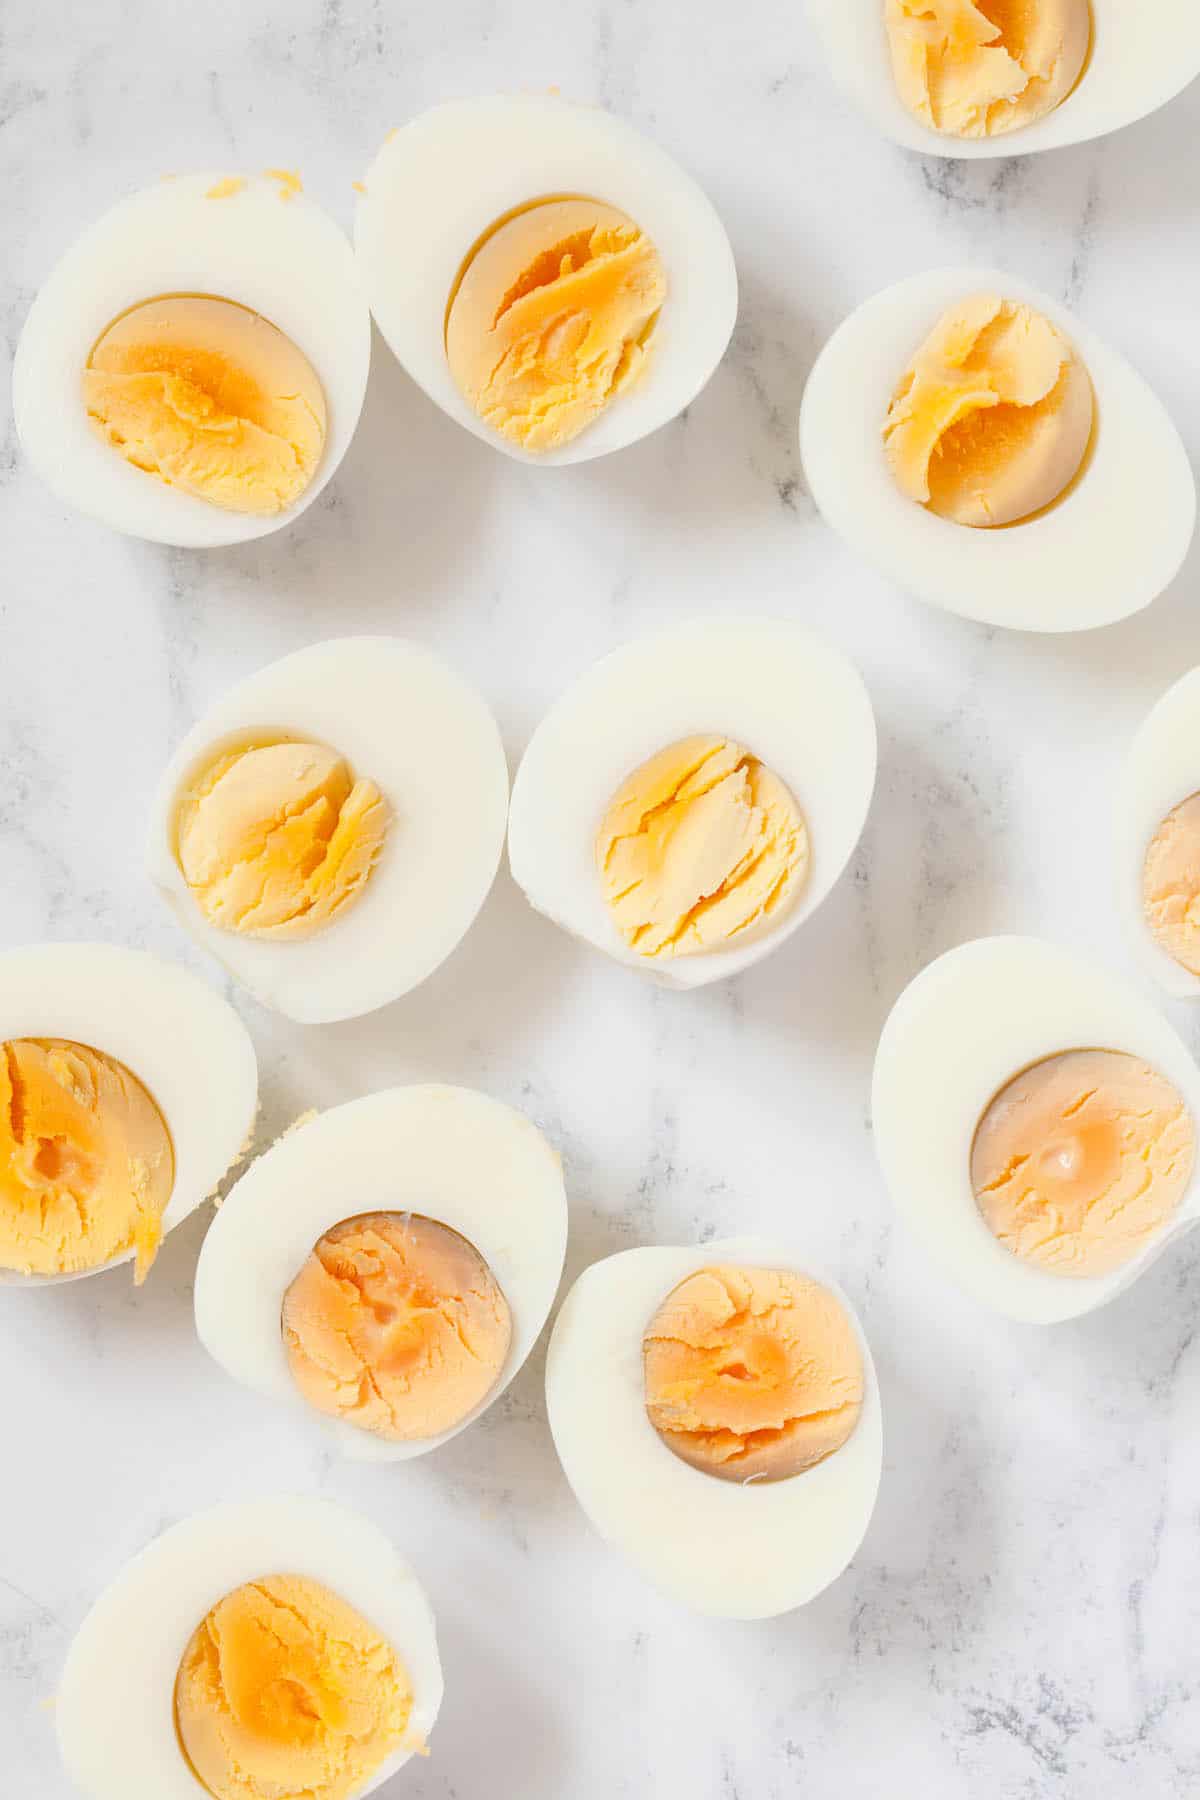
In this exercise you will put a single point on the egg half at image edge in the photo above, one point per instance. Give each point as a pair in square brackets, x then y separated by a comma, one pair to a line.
[266, 1647]
[689, 801]
[193, 369]
[978, 78]
[1158, 839]
[959, 396]
[573, 289]
[1035, 1120]
[331, 827]
[128, 1089]
[716, 1412]
[385, 1269]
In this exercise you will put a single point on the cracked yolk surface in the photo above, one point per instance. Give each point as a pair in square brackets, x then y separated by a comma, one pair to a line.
[1171, 884]
[86, 1163]
[992, 418]
[553, 318]
[285, 1692]
[701, 848]
[979, 68]
[211, 398]
[277, 840]
[396, 1324]
[1081, 1159]
[752, 1373]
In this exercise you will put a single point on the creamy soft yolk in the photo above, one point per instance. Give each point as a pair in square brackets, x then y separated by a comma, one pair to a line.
[277, 840]
[700, 848]
[553, 318]
[993, 416]
[977, 68]
[212, 399]
[86, 1164]
[1081, 1159]
[285, 1692]
[752, 1373]
[1171, 884]
[396, 1324]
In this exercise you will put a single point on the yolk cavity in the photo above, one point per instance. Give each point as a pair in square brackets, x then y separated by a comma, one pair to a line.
[978, 68]
[1171, 884]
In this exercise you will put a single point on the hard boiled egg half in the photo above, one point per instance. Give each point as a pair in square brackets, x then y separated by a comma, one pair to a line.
[385, 1269]
[688, 802]
[1158, 839]
[193, 369]
[550, 277]
[272, 1646]
[127, 1091]
[1035, 1121]
[330, 829]
[716, 1411]
[996, 491]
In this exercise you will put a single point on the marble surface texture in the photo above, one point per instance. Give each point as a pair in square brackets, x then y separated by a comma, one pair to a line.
[1021, 1621]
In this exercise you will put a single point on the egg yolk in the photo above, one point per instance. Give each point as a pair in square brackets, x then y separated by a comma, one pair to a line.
[992, 418]
[396, 1324]
[1171, 884]
[701, 848]
[752, 1374]
[278, 840]
[212, 399]
[1081, 1159]
[978, 68]
[552, 318]
[285, 1692]
[86, 1163]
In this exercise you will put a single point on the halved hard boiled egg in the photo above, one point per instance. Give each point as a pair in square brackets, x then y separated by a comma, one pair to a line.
[716, 1412]
[944, 435]
[975, 78]
[1158, 838]
[267, 1647]
[691, 799]
[330, 829]
[193, 369]
[386, 1268]
[551, 278]
[1035, 1120]
[128, 1089]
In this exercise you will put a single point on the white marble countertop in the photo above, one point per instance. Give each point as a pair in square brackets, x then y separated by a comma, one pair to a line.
[1021, 1620]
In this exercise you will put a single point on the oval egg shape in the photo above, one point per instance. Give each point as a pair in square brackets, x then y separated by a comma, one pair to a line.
[1162, 769]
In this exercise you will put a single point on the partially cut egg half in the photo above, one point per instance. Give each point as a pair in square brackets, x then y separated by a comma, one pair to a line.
[1160, 777]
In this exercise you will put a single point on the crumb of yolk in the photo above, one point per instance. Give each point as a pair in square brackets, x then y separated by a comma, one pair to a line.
[979, 68]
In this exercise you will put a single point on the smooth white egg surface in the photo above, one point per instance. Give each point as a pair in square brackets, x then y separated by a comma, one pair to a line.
[1105, 550]
[959, 1032]
[441, 181]
[115, 1707]
[1141, 57]
[185, 1044]
[730, 1550]
[795, 702]
[407, 722]
[451, 1154]
[283, 258]
[1161, 770]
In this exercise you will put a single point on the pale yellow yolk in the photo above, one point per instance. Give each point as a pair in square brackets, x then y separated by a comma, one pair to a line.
[700, 849]
[752, 1373]
[285, 1692]
[211, 398]
[277, 840]
[396, 1324]
[978, 68]
[993, 416]
[1171, 884]
[86, 1164]
[553, 318]
[1081, 1159]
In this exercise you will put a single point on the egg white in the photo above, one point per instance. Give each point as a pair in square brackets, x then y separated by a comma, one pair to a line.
[960, 1032]
[729, 1550]
[1107, 549]
[115, 1712]
[407, 722]
[441, 181]
[792, 700]
[449, 1153]
[284, 259]
[1142, 56]
[1161, 770]
[185, 1044]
